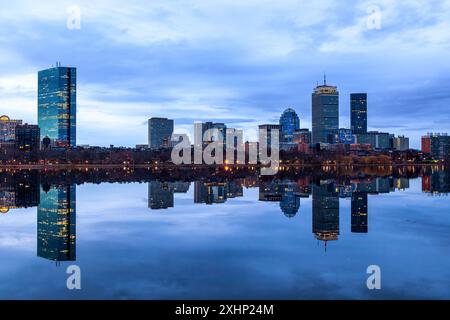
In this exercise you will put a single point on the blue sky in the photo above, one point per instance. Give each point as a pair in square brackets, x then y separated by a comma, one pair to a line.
[241, 62]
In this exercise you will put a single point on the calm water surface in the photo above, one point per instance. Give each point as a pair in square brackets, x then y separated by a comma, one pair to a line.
[279, 239]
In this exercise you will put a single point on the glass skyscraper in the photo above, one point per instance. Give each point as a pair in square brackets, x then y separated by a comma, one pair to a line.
[159, 133]
[57, 105]
[358, 112]
[289, 122]
[325, 113]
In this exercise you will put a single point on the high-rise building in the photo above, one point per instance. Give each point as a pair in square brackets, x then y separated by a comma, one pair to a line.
[358, 112]
[27, 137]
[289, 122]
[400, 143]
[325, 113]
[56, 224]
[159, 133]
[437, 145]
[57, 105]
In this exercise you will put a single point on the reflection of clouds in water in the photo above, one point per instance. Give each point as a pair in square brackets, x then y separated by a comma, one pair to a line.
[243, 248]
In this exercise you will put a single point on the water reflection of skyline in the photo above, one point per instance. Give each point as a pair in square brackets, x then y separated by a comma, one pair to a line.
[56, 202]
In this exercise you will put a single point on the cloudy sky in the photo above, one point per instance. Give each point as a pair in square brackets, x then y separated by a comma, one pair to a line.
[240, 62]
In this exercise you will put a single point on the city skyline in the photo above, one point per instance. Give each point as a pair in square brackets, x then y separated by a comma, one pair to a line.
[160, 68]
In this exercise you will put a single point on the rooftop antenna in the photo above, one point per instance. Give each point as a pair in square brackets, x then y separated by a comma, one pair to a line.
[324, 79]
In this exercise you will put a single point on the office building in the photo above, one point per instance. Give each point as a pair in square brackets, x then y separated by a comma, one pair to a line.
[8, 129]
[437, 145]
[400, 143]
[302, 136]
[27, 137]
[160, 132]
[57, 106]
[377, 140]
[358, 112]
[289, 123]
[325, 113]
[344, 136]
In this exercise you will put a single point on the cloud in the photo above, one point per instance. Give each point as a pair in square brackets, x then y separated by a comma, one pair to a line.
[226, 60]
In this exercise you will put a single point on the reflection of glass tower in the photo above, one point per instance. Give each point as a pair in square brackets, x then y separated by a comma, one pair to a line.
[359, 212]
[56, 224]
[57, 105]
[290, 202]
[160, 195]
[325, 203]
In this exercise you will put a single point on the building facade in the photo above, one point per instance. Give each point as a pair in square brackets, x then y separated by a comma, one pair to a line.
[378, 140]
[160, 132]
[57, 105]
[344, 136]
[302, 136]
[8, 129]
[358, 112]
[27, 137]
[437, 145]
[400, 143]
[325, 113]
[289, 122]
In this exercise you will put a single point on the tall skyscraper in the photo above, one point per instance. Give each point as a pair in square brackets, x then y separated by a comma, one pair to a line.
[159, 133]
[325, 113]
[57, 105]
[358, 112]
[56, 223]
[289, 122]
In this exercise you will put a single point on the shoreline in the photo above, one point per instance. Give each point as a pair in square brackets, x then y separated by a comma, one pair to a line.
[199, 166]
